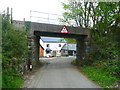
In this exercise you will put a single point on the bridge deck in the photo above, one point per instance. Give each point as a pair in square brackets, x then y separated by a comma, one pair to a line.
[51, 28]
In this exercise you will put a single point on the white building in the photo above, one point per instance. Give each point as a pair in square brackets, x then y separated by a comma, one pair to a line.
[69, 49]
[52, 47]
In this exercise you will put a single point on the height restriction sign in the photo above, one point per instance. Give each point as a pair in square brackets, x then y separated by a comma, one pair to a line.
[64, 29]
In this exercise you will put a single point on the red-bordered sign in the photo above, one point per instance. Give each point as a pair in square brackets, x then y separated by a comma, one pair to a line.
[64, 29]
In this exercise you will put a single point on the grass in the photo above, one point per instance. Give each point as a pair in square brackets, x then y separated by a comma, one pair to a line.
[102, 78]
[12, 82]
[0, 81]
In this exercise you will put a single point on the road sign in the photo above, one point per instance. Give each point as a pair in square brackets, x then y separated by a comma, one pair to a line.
[64, 29]
[87, 48]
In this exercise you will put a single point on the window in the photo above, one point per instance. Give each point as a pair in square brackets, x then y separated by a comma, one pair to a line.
[47, 52]
[47, 45]
[59, 45]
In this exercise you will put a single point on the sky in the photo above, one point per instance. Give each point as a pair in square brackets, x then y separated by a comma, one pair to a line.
[21, 8]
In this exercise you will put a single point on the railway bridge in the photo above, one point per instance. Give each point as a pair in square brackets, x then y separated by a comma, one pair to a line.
[41, 29]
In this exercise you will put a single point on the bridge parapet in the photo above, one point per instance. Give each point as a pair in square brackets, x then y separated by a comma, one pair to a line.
[57, 28]
[42, 27]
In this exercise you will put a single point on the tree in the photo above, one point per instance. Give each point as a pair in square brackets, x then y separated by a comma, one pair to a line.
[103, 21]
[104, 17]
[77, 13]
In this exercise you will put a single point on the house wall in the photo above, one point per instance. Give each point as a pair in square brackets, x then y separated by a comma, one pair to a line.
[53, 46]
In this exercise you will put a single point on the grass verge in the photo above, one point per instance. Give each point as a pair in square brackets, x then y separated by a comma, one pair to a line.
[98, 72]
[101, 77]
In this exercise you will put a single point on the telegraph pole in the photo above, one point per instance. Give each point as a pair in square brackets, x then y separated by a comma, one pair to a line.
[11, 16]
[7, 10]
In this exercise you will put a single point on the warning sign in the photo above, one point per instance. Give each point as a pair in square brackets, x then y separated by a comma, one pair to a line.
[64, 29]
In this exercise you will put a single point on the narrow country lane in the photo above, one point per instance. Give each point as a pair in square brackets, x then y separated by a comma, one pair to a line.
[59, 74]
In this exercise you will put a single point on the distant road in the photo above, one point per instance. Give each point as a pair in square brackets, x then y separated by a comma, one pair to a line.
[59, 74]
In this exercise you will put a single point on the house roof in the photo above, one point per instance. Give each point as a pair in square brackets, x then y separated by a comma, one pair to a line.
[41, 46]
[64, 47]
[52, 40]
[69, 47]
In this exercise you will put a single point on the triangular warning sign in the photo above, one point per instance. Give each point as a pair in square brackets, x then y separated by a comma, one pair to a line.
[64, 29]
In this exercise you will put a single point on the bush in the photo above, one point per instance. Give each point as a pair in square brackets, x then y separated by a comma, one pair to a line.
[11, 82]
[112, 67]
[14, 50]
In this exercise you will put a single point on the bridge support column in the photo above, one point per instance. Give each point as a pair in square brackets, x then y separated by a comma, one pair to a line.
[33, 44]
[81, 53]
[36, 50]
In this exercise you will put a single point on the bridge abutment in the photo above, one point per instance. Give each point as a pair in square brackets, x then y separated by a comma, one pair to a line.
[36, 51]
[81, 57]
[33, 43]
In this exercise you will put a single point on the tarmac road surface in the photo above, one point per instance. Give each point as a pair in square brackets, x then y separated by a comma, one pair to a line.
[59, 74]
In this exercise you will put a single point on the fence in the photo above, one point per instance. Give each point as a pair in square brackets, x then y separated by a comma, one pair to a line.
[42, 17]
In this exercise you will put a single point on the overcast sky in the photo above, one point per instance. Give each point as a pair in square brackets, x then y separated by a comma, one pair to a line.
[21, 8]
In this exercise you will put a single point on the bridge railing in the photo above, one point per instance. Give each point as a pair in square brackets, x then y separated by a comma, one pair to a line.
[42, 17]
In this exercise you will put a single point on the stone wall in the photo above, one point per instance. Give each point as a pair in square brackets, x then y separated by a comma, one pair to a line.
[33, 44]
